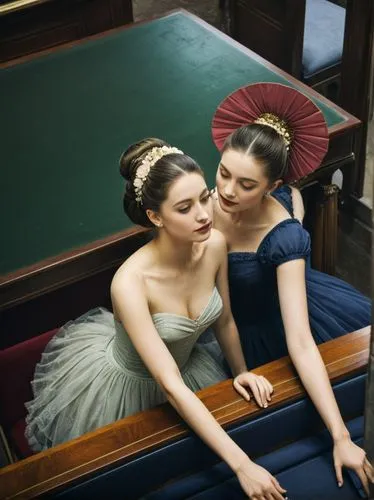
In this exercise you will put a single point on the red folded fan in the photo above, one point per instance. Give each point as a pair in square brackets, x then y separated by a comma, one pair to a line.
[309, 131]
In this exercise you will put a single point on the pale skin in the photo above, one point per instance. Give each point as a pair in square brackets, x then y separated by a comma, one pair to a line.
[176, 273]
[252, 213]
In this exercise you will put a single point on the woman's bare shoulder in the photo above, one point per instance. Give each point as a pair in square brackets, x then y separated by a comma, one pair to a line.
[132, 269]
[216, 243]
[297, 203]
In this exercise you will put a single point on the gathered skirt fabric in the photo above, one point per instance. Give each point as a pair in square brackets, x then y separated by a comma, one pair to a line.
[78, 386]
[335, 309]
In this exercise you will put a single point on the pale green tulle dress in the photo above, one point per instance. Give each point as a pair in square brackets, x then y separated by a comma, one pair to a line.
[91, 375]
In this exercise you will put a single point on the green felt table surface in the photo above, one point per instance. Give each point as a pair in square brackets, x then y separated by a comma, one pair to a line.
[67, 116]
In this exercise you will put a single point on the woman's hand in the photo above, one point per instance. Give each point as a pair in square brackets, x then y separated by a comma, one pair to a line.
[347, 454]
[258, 483]
[260, 387]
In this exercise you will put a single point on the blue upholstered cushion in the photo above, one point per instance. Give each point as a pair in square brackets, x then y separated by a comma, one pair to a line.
[304, 468]
[271, 429]
[323, 36]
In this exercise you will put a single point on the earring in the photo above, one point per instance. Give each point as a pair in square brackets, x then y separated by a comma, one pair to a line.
[160, 225]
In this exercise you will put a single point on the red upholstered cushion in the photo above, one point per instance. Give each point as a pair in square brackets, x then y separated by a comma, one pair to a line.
[18, 441]
[17, 366]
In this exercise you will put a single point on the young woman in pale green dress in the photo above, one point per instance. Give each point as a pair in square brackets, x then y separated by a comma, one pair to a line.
[105, 366]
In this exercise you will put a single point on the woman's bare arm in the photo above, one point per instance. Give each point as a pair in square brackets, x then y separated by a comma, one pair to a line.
[225, 327]
[228, 337]
[312, 372]
[302, 347]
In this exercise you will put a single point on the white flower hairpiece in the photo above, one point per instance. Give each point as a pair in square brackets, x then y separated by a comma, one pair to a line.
[148, 161]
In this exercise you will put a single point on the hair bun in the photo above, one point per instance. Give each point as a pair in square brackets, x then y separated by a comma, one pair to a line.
[129, 163]
[131, 158]
[170, 166]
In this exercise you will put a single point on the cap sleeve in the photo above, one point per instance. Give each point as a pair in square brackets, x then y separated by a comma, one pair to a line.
[287, 241]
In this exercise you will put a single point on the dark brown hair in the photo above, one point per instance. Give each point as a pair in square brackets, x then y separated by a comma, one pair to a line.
[264, 144]
[160, 177]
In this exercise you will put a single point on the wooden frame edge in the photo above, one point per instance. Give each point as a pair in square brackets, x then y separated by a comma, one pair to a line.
[50, 274]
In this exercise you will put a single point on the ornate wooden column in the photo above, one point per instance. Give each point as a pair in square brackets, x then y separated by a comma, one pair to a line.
[325, 229]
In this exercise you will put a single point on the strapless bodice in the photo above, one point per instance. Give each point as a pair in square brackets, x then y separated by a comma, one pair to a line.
[179, 333]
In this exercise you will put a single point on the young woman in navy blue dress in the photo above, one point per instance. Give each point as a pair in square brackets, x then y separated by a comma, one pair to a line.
[280, 304]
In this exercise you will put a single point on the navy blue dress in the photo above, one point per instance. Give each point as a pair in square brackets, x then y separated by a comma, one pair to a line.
[335, 308]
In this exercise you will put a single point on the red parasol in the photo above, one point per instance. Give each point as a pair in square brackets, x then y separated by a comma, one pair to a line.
[309, 131]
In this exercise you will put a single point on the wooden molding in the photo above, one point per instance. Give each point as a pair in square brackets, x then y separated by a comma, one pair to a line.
[69, 267]
[9, 7]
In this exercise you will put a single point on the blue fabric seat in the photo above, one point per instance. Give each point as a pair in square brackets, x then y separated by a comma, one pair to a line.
[296, 466]
[265, 435]
[323, 36]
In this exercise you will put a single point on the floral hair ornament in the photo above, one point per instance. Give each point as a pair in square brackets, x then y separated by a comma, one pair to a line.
[292, 114]
[147, 163]
[278, 125]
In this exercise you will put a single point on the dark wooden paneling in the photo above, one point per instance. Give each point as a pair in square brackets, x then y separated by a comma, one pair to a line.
[357, 78]
[275, 30]
[126, 439]
[40, 25]
[272, 28]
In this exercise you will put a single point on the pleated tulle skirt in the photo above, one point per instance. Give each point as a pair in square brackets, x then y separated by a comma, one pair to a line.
[78, 386]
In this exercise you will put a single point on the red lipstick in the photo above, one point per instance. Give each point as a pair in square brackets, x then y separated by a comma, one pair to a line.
[204, 229]
[227, 203]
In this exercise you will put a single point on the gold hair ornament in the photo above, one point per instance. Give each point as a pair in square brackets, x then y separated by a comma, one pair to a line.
[147, 163]
[279, 125]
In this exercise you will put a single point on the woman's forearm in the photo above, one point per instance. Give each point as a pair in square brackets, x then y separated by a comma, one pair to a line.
[202, 422]
[313, 374]
[229, 341]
